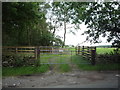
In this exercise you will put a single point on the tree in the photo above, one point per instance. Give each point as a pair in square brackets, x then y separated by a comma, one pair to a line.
[102, 19]
[61, 10]
[24, 23]
[18, 18]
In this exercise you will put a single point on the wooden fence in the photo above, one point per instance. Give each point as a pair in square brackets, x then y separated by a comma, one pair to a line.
[32, 52]
[87, 52]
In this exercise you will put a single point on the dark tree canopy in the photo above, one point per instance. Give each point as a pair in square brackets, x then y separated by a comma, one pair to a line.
[24, 23]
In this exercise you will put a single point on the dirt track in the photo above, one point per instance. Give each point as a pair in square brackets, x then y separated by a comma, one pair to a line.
[73, 79]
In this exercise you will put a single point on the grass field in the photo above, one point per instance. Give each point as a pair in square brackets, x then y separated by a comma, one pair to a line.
[104, 50]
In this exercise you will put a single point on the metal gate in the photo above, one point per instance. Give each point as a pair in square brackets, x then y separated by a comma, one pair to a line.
[58, 55]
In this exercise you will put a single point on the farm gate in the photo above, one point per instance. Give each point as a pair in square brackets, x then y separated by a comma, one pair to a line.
[87, 52]
[42, 54]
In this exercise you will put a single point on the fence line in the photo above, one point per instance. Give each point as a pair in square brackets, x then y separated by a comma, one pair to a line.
[36, 50]
[21, 49]
[87, 52]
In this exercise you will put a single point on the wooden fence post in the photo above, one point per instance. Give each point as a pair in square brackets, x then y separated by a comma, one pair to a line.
[78, 50]
[93, 56]
[16, 50]
[37, 56]
[88, 52]
[36, 53]
[83, 50]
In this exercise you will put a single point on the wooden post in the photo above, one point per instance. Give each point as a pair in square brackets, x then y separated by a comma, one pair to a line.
[16, 50]
[36, 53]
[78, 50]
[83, 50]
[38, 56]
[88, 52]
[93, 56]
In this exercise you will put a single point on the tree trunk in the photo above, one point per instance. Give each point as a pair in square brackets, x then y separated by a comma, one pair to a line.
[64, 33]
[54, 31]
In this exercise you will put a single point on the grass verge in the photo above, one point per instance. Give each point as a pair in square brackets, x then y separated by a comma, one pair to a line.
[78, 59]
[7, 71]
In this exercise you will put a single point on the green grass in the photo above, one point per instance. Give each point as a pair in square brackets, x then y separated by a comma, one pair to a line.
[57, 58]
[7, 71]
[79, 59]
[64, 68]
[99, 67]
[45, 58]
[104, 50]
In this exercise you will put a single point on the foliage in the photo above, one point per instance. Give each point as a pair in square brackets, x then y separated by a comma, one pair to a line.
[16, 60]
[108, 58]
[78, 60]
[25, 24]
[61, 10]
[102, 19]
[108, 55]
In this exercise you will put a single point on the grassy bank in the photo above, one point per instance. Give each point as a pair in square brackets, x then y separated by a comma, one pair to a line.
[7, 71]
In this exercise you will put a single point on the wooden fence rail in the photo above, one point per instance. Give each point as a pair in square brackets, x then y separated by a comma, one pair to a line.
[87, 52]
[33, 52]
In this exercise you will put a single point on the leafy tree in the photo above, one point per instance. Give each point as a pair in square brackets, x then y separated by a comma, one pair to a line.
[62, 11]
[24, 23]
[16, 19]
[102, 19]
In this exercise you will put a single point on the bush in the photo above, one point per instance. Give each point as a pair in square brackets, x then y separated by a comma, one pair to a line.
[16, 60]
[112, 57]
